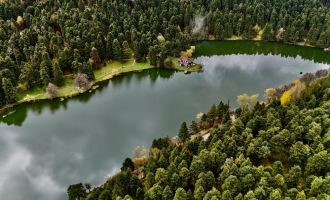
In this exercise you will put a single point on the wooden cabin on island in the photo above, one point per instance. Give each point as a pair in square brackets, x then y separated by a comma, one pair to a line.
[185, 61]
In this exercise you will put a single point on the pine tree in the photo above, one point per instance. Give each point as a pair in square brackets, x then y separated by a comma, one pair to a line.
[87, 69]
[128, 164]
[180, 194]
[46, 62]
[58, 77]
[153, 51]
[183, 132]
[194, 127]
[117, 51]
[109, 50]
[126, 51]
[140, 50]
[199, 193]
[268, 32]
[9, 90]
[44, 76]
[167, 193]
[212, 113]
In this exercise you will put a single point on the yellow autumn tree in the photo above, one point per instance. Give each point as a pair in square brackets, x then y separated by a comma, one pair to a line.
[285, 98]
[20, 21]
[161, 38]
[293, 93]
[189, 53]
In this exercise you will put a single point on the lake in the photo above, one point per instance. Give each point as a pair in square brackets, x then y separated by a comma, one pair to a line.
[46, 146]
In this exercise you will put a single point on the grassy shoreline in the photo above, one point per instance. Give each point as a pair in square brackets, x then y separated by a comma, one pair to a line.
[109, 71]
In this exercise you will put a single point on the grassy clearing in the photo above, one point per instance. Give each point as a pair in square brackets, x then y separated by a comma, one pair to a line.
[110, 66]
[31, 92]
[39, 93]
[67, 90]
[116, 68]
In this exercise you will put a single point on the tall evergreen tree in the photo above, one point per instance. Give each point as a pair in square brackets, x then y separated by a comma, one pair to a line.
[183, 132]
[117, 51]
[58, 77]
[9, 90]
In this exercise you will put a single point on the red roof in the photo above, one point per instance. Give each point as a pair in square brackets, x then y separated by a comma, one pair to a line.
[184, 59]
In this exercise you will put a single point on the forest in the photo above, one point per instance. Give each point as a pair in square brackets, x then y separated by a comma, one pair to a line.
[276, 149]
[41, 42]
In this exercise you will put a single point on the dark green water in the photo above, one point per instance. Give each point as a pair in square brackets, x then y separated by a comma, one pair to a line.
[45, 147]
[261, 48]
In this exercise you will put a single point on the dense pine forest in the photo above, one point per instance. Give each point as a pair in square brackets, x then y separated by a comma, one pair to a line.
[273, 150]
[42, 41]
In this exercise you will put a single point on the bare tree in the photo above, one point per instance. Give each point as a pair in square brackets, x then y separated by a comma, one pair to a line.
[270, 94]
[141, 152]
[321, 73]
[245, 100]
[307, 78]
[253, 100]
[52, 90]
[297, 88]
[81, 81]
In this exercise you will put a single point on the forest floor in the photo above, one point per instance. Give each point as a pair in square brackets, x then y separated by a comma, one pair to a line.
[110, 70]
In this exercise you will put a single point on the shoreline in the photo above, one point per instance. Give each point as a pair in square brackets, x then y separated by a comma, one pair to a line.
[256, 39]
[111, 70]
[106, 73]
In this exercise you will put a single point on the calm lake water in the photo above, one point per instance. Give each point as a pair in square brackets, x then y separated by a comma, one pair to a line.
[47, 146]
